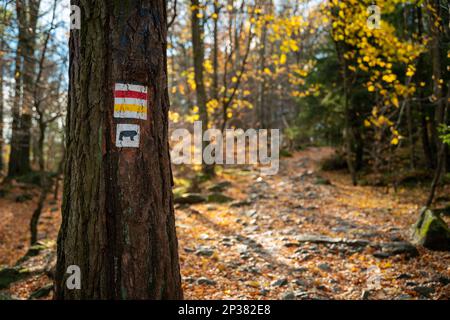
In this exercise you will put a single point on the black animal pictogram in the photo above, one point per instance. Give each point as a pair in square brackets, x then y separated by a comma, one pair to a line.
[128, 134]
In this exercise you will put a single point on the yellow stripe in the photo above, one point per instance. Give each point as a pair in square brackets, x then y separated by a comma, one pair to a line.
[130, 108]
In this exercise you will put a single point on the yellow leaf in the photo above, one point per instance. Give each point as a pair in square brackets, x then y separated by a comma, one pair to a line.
[389, 78]
[394, 141]
[395, 101]
[253, 284]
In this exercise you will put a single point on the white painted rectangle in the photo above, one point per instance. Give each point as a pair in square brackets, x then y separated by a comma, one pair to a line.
[130, 101]
[130, 87]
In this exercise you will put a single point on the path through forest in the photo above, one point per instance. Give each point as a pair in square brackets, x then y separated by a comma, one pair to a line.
[258, 246]
[301, 234]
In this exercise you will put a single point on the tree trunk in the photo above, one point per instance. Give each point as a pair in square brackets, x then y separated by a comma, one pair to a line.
[348, 131]
[40, 144]
[27, 16]
[439, 114]
[412, 144]
[34, 222]
[426, 145]
[199, 58]
[118, 218]
[16, 167]
[215, 85]
[261, 105]
[1, 109]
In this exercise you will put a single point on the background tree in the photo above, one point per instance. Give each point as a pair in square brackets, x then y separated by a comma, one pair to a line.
[27, 17]
[119, 228]
[198, 59]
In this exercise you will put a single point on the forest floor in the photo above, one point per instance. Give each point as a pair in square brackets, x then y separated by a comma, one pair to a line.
[300, 234]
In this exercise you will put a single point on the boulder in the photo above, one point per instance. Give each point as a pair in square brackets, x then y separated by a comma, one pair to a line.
[401, 247]
[389, 249]
[424, 291]
[431, 231]
[10, 275]
[279, 283]
[239, 204]
[24, 197]
[321, 239]
[218, 198]
[322, 181]
[6, 296]
[42, 292]
[289, 295]
[204, 251]
[220, 187]
[206, 281]
[190, 198]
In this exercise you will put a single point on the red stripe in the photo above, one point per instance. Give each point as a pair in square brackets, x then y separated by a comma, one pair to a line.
[130, 94]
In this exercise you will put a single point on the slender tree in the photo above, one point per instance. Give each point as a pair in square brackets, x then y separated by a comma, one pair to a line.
[1, 105]
[118, 222]
[198, 59]
[5, 18]
[27, 17]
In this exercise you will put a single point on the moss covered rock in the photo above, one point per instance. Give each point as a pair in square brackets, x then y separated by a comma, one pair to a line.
[221, 186]
[190, 198]
[42, 292]
[431, 231]
[10, 275]
[218, 198]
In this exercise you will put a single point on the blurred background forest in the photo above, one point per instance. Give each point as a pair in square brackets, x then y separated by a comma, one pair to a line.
[360, 90]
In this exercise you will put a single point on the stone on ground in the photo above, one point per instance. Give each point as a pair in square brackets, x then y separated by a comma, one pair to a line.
[431, 231]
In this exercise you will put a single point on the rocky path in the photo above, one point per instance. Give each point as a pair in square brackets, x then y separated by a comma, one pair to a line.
[300, 234]
[305, 234]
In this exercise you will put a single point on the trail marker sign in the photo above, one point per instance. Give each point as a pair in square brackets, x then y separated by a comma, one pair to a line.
[127, 136]
[130, 101]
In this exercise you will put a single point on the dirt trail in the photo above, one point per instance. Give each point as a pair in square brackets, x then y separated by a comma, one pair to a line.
[256, 251]
[254, 247]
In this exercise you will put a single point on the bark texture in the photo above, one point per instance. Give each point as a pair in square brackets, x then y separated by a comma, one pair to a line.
[118, 219]
[199, 57]
[27, 16]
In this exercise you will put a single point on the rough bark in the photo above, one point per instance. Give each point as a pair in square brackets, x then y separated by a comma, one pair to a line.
[199, 58]
[118, 219]
[436, 61]
[27, 15]
[262, 109]
[34, 221]
[1, 108]
[16, 164]
[215, 85]
[349, 138]
[426, 145]
[412, 144]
